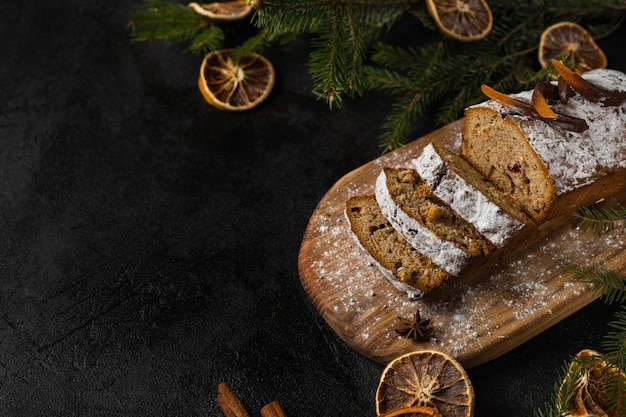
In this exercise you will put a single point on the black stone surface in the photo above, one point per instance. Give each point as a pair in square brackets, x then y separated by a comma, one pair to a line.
[148, 243]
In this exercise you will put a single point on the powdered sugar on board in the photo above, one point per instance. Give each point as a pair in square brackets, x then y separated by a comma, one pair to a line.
[474, 318]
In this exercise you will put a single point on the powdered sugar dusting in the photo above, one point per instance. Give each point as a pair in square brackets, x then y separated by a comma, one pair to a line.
[500, 303]
[529, 285]
[442, 252]
[464, 198]
[578, 159]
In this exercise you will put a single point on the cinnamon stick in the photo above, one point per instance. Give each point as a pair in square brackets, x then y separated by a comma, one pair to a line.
[229, 402]
[273, 409]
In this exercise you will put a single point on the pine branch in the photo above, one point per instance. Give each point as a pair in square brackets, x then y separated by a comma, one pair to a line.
[442, 78]
[505, 59]
[344, 33]
[615, 341]
[171, 21]
[614, 345]
[575, 376]
[259, 42]
[416, 64]
[611, 284]
[404, 112]
[343, 30]
[600, 220]
[563, 393]
[613, 288]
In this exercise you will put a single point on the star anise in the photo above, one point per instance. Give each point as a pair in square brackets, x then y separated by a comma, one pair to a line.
[415, 329]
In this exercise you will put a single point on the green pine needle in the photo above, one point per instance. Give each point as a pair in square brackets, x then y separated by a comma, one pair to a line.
[258, 42]
[611, 284]
[600, 220]
[343, 33]
[614, 344]
[574, 375]
[171, 21]
[563, 392]
[506, 60]
[615, 340]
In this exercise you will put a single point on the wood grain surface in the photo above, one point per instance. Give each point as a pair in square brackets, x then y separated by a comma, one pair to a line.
[494, 307]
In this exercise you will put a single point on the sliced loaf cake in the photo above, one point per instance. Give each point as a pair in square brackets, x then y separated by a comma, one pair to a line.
[454, 181]
[534, 161]
[402, 264]
[426, 222]
[517, 168]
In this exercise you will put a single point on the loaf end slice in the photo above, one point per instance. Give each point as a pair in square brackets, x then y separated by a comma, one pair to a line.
[406, 268]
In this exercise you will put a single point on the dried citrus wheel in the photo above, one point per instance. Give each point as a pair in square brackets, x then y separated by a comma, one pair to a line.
[222, 10]
[463, 20]
[425, 378]
[567, 38]
[239, 86]
[415, 411]
[591, 387]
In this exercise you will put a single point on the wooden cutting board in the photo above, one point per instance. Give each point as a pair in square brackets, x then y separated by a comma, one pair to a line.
[476, 317]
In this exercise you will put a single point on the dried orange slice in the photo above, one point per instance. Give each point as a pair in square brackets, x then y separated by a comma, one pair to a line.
[591, 388]
[235, 86]
[567, 38]
[414, 411]
[425, 378]
[222, 10]
[463, 20]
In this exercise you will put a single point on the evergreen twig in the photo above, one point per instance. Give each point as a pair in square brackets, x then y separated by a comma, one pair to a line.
[343, 32]
[171, 21]
[611, 284]
[614, 344]
[613, 287]
[563, 392]
[505, 59]
[258, 42]
[600, 220]
[615, 341]
[348, 57]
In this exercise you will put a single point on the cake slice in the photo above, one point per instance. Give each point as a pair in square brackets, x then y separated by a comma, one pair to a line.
[426, 222]
[534, 161]
[465, 190]
[406, 268]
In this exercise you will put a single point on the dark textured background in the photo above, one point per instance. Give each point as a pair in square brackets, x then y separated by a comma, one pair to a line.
[148, 243]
